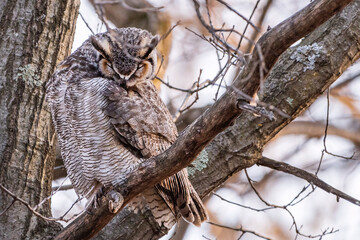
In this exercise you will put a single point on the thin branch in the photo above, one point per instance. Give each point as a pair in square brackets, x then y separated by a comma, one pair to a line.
[240, 15]
[193, 90]
[182, 107]
[311, 178]
[100, 12]
[87, 25]
[326, 128]
[259, 23]
[239, 229]
[285, 207]
[212, 30]
[33, 209]
[8, 207]
[247, 25]
[15, 198]
[241, 205]
[260, 103]
[63, 188]
[52, 194]
[165, 35]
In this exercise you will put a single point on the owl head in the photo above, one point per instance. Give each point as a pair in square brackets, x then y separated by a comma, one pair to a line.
[127, 55]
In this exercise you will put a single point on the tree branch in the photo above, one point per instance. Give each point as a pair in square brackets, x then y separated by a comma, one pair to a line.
[311, 178]
[214, 120]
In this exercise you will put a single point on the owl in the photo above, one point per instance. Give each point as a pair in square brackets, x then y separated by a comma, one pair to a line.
[109, 117]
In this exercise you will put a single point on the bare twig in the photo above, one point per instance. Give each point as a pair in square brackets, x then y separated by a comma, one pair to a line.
[87, 25]
[100, 12]
[240, 15]
[213, 32]
[165, 35]
[244, 96]
[8, 207]
[241, 205]
[52, 194]
[259, 23]
[239, 229]
[184, 106]
[311, 178]
[15, 198]
[33, 209]
[193, 89]
[257, 30]
[286, 208]
[63, 188]
[326, 128]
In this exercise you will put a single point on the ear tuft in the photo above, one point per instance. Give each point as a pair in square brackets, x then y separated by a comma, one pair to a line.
[154, 41]
[102, 45]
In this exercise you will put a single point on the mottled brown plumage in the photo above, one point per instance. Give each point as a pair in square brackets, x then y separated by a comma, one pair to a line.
[109, 117]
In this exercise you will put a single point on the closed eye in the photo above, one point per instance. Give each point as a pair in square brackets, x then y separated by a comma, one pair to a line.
[140, 67]
[151, 61]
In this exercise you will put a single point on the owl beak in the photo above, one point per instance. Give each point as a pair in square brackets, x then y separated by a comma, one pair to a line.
[125, 80]
[131, 82]
[119, 80]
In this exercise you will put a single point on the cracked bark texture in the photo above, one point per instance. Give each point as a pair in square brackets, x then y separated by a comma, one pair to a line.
[36, 35]
[289, 88]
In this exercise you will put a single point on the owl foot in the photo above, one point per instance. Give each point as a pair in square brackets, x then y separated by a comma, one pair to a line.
[99, 193]
[94, 200]
[116, 200]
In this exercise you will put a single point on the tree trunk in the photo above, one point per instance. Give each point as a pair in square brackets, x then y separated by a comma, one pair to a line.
[36, 35]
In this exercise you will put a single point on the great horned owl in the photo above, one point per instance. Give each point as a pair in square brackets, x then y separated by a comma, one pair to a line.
[108, 116]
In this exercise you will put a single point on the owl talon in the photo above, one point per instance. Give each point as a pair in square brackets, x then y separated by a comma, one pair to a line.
[98, 195]
[116, 201]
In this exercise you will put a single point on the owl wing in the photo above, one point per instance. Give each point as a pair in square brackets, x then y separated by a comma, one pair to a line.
[141, 119]
[144, 123]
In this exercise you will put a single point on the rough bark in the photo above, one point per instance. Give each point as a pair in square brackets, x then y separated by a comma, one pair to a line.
[36, 35]
[243, 153]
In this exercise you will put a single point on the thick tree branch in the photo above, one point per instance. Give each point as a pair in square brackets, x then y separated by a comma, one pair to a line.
[311, 178]
[214, 120]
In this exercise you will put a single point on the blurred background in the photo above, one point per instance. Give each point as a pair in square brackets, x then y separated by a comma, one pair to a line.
[188, 58]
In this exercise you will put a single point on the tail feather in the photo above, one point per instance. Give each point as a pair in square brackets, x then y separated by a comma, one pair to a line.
[181, 197]
[198, 208]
